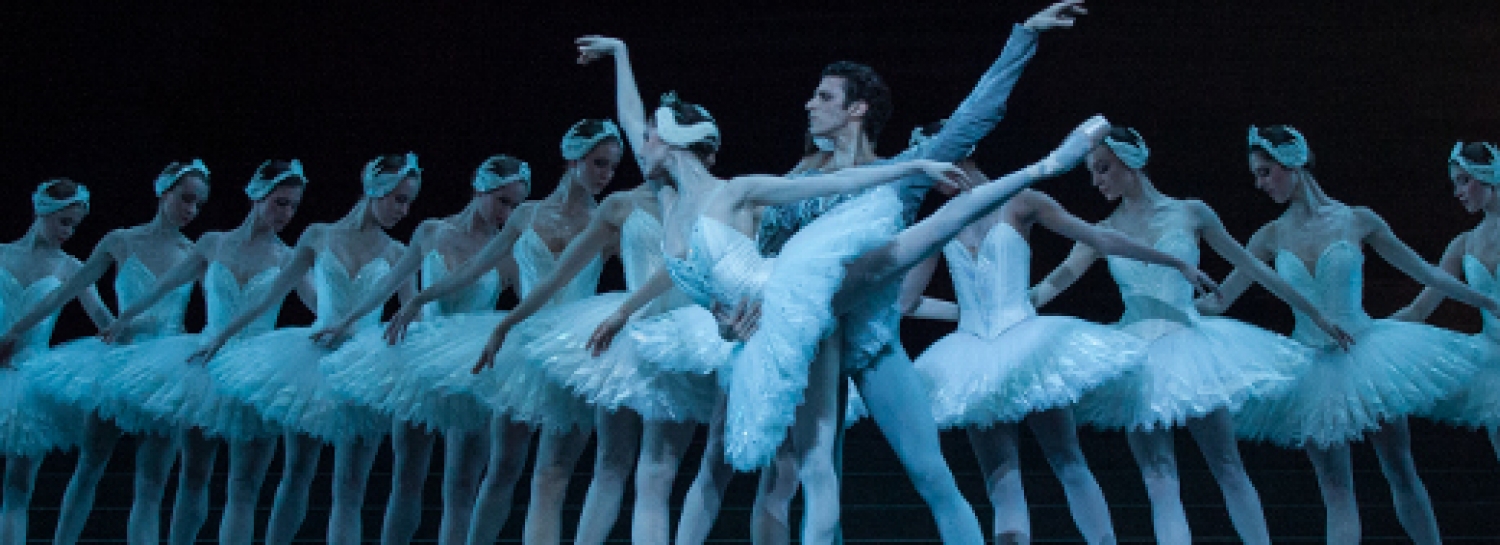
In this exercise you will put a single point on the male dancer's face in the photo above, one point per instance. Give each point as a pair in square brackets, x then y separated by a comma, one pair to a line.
[827, 112]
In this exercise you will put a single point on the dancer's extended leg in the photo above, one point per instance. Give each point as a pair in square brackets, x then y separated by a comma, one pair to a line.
[411, 447]
[190, 508]
[619, 444]
[1392, 444]
[248, 462]
[662, 447]
[510, 443]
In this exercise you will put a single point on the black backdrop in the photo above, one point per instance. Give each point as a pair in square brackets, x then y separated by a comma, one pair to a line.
[107, 93]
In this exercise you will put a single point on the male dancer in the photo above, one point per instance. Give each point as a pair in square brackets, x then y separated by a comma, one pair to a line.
[849, 108]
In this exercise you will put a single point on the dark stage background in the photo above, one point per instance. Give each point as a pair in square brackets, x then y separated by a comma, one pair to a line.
[108, 93]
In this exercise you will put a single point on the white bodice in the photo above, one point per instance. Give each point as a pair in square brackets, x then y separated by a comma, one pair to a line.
[476, 297]
[640, 251]
[16, 299]
[991, 284]
[535, 262]
[133, 282]
[225, 298]
[338, 291]
[1334, 286]
[722, 266]
[1484, 282]
[1157, 292]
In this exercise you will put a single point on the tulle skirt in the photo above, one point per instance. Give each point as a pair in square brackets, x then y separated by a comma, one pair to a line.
[769, 371]
[83, 374]
[157, 373]
[278, 374]
[1477, 402]
[31, 422]
[1191, 370]
[1039, 363]
[402, 380]
[1394, 369]
[661, 366]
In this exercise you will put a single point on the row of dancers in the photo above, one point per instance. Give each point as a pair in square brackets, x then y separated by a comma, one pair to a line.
[750, 303]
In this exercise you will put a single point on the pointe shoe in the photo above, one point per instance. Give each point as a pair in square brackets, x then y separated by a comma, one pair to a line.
[1074, 148]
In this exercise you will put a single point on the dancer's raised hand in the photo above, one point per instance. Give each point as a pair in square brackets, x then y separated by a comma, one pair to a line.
[1074, 149]
[592, 48]
[1059, 15]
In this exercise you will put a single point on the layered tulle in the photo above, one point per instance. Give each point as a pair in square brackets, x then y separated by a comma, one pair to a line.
[1191, 370]
[1477, 402]
[1039, 363]
[513, 387]
[1394, 369]
[278, 373]
[31, 422]
[402, 380]
[83, 374]
[769, 371]
[660, 367]
[157, 374]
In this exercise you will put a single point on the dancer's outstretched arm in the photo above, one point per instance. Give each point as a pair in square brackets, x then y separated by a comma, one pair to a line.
[1427, 301]
[756, 191]
[603, 229]
[605, 333]
[1111, 242]
[493, 255]
[401, 278]
[84, 278]
[630, 108]
[291, 276]
[924, 239]
[189, 269]
[1238, 281]
[1213, 233]
[1079, 259]
[1398, 254]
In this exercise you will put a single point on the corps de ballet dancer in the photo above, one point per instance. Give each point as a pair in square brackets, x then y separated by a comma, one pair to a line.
[1197, 370]
[233, 268]
[532, 238]
[33, 424]
[374, 374]
[1474, 168]
[1006, 364]
[278, 373]
[1393, 368]
[82, 373]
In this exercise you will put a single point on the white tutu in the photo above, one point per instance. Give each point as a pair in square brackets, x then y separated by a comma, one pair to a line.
[1039, 363]
[31, 422]
[83, 373]
[1477, 402]
[769, 371]
[401, 380]
[623, 376]
[157, 373]
[278, 374]
[1190, 371]
[512, 388]
[1393, 369]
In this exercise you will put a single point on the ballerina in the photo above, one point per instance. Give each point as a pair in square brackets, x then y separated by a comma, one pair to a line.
[1474, 168]
[30, 268]
[1396, 369]
[1197, 370]
[707, 220]
[532, 238]
[76, 372]
[233, 267]
[374, 374]
[1005, 364]
[345, 259]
